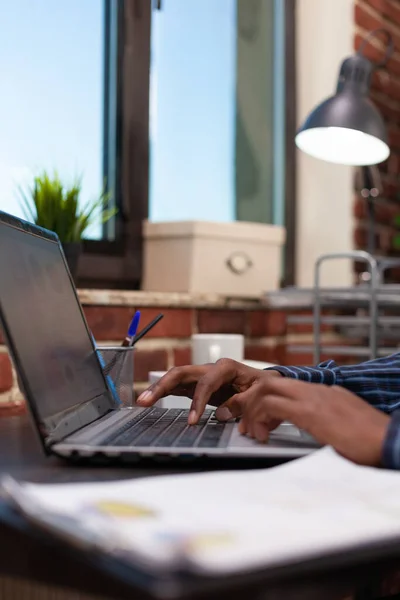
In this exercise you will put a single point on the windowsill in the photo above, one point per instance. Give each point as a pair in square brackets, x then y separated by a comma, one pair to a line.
[280, 301]
[166, 299]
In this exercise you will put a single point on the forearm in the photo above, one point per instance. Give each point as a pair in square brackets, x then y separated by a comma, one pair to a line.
[376, 381]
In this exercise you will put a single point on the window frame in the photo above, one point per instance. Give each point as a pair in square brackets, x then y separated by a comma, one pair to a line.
[118, 263]
[290, 208]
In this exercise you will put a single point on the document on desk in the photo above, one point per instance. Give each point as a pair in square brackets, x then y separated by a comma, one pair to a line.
[223, 522]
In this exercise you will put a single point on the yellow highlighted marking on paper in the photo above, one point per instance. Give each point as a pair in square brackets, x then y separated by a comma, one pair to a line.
[204, 541]
[123, 510]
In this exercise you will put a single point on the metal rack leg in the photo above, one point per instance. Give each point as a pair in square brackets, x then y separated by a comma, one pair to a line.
[373, 303]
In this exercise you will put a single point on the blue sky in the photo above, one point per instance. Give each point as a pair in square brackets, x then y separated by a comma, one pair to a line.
[51, 102]
[193, 110]
[51, 62]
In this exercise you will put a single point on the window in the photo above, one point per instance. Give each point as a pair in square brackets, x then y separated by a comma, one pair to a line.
[192, 116]
[211, 80]
[52, 95]
[217, 110]
[65, 108]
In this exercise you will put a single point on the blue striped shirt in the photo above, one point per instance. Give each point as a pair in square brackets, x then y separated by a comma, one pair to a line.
[376, 381]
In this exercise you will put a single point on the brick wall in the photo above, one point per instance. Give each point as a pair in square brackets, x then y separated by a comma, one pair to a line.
[268, 337]
[168, 344]
[385, 92]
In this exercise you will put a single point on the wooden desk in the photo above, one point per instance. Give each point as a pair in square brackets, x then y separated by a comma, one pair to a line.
[26, 555]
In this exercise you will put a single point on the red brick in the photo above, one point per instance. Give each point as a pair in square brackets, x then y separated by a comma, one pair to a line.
[393, 164]
[393, 275]
[394, 137]
[111, 322]
[177, 322]
[375, 54]
[390, 190]
[108, 322]
[383, 82]
[359, 208]
[384, 212]
[384, 238]
[149, 360]
[360, 236]
[6, 378]
[389, 111]
[384, 166]
[366, 19]
[12, 409]
[393, 65]
[221, 321]
[298, 358]
[305, 327]
[306, 359]
[264, 323]
[358, 267]
[392, 10]
[387, 8]
[273, 354]
[370, 19]
[182, 356]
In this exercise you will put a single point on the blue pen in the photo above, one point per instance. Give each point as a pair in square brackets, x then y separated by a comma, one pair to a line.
[132, 331]
[127, 343]
[110, 382]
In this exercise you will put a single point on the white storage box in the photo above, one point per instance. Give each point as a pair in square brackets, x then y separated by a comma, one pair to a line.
[199, 257]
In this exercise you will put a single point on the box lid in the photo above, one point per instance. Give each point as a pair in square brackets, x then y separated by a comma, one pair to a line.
[236, 230]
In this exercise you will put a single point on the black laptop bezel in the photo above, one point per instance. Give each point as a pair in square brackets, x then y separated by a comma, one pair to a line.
[29, 228]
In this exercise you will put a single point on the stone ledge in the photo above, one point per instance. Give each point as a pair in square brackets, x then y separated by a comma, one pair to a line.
[166, 299]
[279, 300]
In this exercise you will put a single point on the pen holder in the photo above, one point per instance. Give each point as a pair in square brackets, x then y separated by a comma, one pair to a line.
[117, 365]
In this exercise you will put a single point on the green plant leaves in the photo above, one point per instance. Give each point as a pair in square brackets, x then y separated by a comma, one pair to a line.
[51, 205]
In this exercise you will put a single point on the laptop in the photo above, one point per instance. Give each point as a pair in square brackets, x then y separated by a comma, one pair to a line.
[74, 409]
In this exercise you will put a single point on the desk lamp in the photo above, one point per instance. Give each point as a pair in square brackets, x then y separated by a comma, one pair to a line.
[347, 128]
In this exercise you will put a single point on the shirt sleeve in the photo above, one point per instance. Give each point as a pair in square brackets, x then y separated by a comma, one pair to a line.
[376, 381]
[325, 373]
[391, 446]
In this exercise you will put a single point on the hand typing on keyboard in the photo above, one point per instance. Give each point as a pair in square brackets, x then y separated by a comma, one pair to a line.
[263, 399]
[217, 384]
[333, 415]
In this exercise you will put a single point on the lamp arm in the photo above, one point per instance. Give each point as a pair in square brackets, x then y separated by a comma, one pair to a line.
[389, 48]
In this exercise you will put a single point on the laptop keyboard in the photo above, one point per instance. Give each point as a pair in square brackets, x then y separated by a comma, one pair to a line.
[162, 427]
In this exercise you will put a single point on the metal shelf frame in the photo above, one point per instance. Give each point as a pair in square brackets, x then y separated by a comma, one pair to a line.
[373, 284]
[373, 297]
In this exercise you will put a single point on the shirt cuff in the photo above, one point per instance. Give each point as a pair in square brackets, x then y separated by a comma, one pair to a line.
[309, 374]
[391, 445]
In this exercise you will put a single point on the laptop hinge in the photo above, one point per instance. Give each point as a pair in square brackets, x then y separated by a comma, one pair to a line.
[64, 425]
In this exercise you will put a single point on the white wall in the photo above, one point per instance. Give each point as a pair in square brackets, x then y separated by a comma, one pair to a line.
[324, 191]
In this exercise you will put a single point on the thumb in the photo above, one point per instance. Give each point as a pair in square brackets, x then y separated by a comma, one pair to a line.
[223, 413]
[233, 408]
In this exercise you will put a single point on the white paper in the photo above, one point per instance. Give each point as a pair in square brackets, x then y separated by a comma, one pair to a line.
[228, 521]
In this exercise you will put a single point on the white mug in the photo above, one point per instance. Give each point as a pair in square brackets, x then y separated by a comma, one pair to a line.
[210, 347]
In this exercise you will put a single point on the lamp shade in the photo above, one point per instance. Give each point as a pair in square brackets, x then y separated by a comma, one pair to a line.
[347, 128]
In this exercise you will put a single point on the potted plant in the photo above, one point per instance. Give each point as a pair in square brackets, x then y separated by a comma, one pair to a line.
[50, 204]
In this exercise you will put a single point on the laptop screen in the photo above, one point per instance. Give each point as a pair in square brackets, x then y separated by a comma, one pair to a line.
[44, 324]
